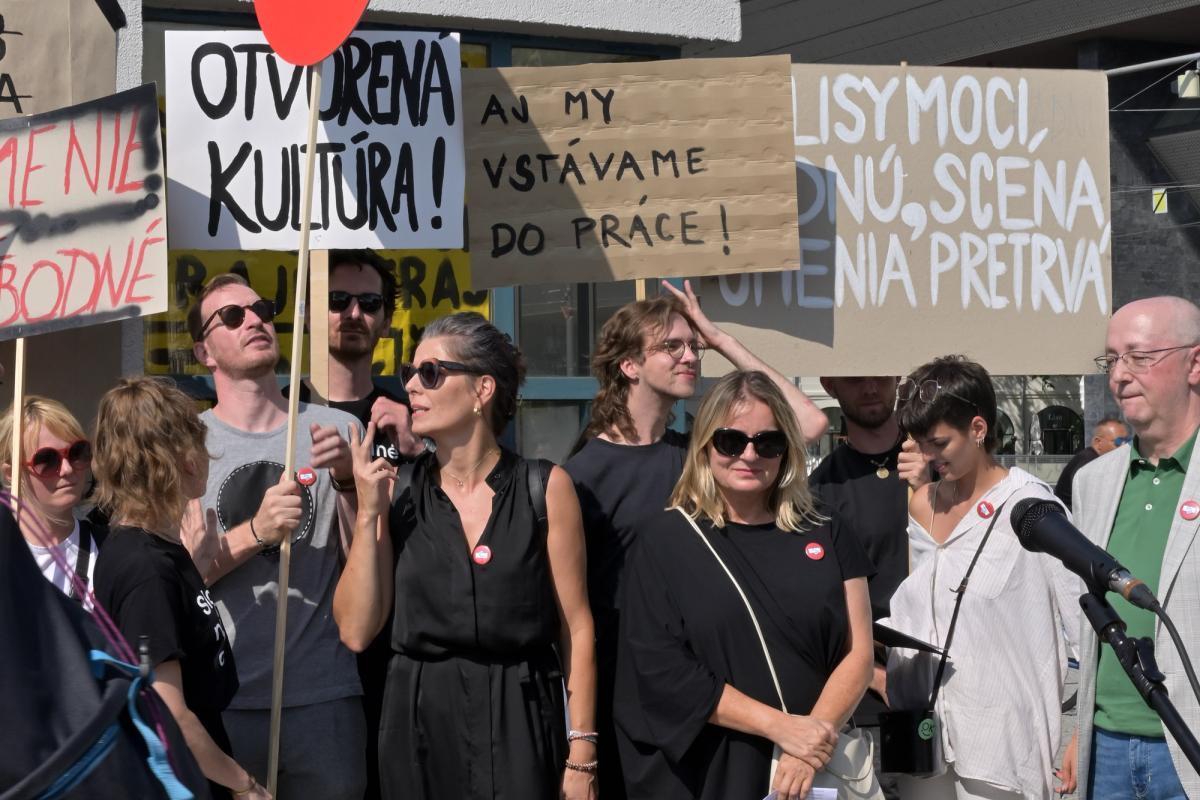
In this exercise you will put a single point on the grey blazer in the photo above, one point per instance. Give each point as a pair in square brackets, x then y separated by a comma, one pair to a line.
[1097, 492]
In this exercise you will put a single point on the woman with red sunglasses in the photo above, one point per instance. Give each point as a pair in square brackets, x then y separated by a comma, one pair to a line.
[745, 622]
[55, 473]
[481, 557]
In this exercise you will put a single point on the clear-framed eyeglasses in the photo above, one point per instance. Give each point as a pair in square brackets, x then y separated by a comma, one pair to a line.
[675, 348]
[1137, 361]
[926, 391]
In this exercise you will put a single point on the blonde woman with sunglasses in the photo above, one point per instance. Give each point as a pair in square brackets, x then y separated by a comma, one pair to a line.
[746, 624]
[55, 474]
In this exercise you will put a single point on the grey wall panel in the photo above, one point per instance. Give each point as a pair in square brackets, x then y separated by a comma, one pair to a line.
[919, 31]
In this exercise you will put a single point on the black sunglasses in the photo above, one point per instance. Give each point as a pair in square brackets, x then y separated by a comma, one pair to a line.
[233, 316]
[368, 302]
[49, 460]
[731, 442]
[430, 371]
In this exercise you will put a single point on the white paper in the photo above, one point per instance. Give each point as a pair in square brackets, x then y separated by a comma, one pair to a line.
[815, 794]
[395, 131]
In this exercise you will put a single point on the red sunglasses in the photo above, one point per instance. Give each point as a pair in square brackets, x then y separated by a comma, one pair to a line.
[49, 460]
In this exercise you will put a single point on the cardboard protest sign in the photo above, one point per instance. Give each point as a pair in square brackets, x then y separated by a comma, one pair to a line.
[610, 171]
[432, 283]
[389, 172]
[941, 211]
[82, 218]
[54, 53]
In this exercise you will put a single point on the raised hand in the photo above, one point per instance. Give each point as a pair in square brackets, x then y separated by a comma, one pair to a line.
[330, 450]
[280, 511]
[198, 531]
[372, 476]
[395, 419]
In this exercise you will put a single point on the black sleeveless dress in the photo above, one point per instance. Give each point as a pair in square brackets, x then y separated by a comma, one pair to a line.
[473, 707]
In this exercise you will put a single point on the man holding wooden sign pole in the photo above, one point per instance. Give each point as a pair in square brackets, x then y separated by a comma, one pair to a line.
[259, 505]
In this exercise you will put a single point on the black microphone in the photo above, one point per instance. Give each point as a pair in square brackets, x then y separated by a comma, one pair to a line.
[1042, 527]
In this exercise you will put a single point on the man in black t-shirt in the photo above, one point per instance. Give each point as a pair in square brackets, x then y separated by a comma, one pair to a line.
[362, 300]
[863, 481]
[647, 359]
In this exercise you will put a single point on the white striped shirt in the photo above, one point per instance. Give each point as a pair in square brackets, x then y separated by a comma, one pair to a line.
[1001, 697]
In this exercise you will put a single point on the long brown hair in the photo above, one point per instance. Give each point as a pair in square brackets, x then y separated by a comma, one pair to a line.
[624, 336]
[789, 499]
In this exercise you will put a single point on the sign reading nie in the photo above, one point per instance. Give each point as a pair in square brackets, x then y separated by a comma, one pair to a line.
[389, 171]
[82, 216]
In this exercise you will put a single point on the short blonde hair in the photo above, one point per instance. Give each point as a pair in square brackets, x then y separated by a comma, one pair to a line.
[37, 412]
[144, 429]
[789, 498]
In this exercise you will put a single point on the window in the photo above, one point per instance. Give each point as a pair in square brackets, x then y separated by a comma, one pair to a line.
[1062, 430]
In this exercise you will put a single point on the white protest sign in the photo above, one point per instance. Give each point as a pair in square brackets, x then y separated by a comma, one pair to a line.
[941, 210]
[82, 218]
[389, 172]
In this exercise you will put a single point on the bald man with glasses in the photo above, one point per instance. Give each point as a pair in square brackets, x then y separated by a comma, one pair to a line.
[1142, 504]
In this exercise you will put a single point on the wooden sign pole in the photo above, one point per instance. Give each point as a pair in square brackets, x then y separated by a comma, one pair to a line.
[318, 326]
[289, 468]
[18, 426]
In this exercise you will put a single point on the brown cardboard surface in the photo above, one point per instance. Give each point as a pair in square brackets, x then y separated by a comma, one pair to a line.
[54, 53]
[732, 209]
[882, 288]
[82, 215]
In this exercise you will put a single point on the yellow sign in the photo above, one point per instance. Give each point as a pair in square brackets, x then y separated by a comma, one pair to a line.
[432, 283]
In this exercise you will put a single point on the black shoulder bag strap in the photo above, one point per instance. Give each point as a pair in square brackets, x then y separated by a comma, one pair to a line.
[960, 591]
[82, 560]
[538, 476]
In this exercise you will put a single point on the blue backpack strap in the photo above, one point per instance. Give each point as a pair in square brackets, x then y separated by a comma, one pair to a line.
[157, 759]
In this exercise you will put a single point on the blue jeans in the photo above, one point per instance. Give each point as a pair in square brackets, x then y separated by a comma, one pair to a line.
[1128, 767]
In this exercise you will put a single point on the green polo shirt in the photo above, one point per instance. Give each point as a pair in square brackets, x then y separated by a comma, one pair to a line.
[1149, 503]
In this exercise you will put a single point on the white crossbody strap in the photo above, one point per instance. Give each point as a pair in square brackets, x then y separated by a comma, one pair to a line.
[753, 617]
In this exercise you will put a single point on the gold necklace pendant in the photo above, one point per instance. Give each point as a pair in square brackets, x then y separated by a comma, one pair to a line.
[462, 481]
[882, 473]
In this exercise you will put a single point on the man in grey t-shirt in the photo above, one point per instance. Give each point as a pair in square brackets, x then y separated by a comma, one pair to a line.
[323, 737]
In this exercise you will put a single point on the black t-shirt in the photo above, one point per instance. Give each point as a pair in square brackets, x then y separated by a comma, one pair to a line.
[361, 411]
[874, 508]
[1063, 489]
[685, 633]
[151, 588]
[619, 485]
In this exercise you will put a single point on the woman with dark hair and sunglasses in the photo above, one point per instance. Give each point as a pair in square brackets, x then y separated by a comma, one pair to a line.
[1000, 695]
[481, 556]
[55, 474]
[707, 691]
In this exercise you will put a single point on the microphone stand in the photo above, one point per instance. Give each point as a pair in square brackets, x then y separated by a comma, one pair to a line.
[1137, 658]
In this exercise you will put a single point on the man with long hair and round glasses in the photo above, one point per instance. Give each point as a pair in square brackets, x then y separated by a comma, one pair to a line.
[746, 627]
[646, 360]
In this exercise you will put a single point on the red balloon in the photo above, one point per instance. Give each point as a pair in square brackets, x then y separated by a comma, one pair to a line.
[303, 32]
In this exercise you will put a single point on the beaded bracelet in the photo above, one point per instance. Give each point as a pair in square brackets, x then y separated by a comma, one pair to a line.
[582, 736]
[590, 767]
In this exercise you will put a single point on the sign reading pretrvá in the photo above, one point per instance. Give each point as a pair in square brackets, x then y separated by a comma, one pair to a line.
[942, 210]
[82, 215]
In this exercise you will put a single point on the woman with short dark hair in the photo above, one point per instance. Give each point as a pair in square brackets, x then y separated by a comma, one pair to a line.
[999, 699]
[481, 556]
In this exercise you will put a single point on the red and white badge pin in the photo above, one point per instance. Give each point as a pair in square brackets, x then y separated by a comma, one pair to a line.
[1189, 510]
[306, 476]
[814, 551]
[481, 554]
[985, 509]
